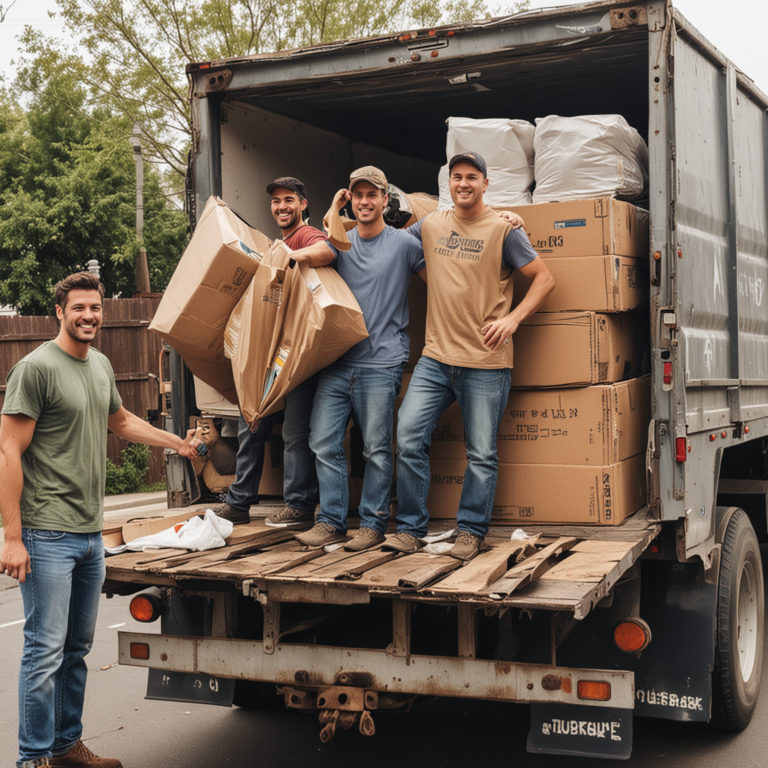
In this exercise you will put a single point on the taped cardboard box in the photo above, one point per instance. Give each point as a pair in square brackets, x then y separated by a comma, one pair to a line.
[597, 283]
[213, 273]
[598, 425]
[548, 493]
[603, 227]
[576, 349]
[291, 326]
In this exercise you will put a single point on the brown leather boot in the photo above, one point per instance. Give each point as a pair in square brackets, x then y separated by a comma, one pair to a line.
[82, 757]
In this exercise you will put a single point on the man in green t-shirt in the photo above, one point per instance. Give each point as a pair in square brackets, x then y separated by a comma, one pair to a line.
[60, 401]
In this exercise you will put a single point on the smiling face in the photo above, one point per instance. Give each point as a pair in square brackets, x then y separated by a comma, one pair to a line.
[286, 208]
[81, 316]
[368, 202]
[467, 185]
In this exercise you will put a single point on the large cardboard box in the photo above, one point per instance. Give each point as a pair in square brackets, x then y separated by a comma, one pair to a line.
[597, 425]
[548, 493]
[586, 228]
[597, 283]
[213, 273]
[575, 349]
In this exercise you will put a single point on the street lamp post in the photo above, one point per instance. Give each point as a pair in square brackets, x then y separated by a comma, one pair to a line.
[142, 267]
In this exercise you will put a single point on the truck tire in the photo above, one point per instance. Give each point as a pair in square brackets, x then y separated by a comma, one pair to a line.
[250, 694]
[739, 628]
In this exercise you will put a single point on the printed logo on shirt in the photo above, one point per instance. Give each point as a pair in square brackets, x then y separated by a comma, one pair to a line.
[104, 384]
[457, 247]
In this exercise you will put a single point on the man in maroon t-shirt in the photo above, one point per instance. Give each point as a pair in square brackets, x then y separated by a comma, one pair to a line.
[309, 245]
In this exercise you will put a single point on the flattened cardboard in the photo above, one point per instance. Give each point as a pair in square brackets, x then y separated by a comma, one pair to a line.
[576, 349]
[599, 227]
[312, 321]
[213, 273]
[149, 525]
[598, 425]
[547, 493]
[597, 283]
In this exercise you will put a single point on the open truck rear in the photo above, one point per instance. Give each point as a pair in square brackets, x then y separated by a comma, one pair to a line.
[353, 636]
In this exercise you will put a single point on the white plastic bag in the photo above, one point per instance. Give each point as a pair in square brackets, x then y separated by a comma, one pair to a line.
[590, 156]
[196, 534]
[507, 147]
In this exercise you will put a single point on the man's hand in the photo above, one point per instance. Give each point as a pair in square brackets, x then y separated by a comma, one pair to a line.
[14, 560]
[189, 447]
[341, 198]
[498, 333]
[512, 218]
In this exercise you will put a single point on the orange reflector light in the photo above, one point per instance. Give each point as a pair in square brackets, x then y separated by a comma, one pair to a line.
[593, 690]
[723, 434]
[139, 651]
[679, 254]
[746, 429]
[450, 33]
[632, 635]
[434, 54]
[432, 32]
[680, 443]
[657, 255]
[205, 66]
[712, 437]
[667, 373]
[146, 607]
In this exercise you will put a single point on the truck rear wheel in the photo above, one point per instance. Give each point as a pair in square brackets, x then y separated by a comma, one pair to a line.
[739, 631]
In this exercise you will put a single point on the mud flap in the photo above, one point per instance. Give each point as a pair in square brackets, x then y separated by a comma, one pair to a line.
[196, 689]
[565, 729]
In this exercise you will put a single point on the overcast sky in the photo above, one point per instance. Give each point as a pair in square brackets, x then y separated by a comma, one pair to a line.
[737, 28]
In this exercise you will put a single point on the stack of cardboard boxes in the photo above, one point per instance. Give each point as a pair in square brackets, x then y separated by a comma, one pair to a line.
[572, 440]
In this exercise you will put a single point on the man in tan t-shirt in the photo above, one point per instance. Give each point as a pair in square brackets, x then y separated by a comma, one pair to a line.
[470, 255]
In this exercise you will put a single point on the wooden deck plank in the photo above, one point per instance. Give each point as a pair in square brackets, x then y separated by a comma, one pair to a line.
[484, 570]
[387, 577]
[530, 569]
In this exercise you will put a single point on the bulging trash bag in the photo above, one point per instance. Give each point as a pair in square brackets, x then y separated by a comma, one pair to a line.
[589, 156]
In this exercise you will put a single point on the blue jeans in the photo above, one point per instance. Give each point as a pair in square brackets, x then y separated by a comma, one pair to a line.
[61, 601]
[482, 396]
[299, 477]
[369, 394]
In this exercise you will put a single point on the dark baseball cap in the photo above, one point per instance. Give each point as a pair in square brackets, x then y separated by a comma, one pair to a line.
[475, 158]
[288, 182]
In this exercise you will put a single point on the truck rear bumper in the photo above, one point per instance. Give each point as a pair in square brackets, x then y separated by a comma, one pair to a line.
[319, 666]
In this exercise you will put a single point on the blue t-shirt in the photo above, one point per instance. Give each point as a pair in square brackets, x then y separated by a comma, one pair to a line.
[516, 252]
[378, 272]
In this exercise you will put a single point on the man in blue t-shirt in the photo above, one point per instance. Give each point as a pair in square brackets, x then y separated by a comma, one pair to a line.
[366, 380]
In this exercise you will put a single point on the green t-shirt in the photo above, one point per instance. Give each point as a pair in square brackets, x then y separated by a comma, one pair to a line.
[65, 463]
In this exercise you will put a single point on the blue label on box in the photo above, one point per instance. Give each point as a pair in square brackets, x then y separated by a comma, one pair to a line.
[570, 223]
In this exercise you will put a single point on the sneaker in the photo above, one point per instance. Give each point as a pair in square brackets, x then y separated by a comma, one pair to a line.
[466, 547]
[404, 542]
[320, 535]
[365, 538]
[288, 517]
[82, 757]
[235, 516]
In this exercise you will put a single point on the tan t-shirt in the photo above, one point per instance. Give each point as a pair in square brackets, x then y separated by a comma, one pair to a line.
[467, 288]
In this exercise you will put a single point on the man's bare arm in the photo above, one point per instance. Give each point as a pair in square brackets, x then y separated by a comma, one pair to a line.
[16, 433]
[495, 334]
[315, 255]
[130, 427]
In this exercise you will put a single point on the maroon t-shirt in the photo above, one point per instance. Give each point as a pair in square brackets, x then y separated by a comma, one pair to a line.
[303, 237]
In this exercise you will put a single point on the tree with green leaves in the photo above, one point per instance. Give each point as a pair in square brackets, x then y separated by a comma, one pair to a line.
[67, 195]
[137, 50]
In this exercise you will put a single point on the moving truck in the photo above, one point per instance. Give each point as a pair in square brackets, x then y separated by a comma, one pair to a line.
[660, 615]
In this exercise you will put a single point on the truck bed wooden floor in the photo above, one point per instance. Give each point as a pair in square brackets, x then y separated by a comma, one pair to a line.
[558, 568]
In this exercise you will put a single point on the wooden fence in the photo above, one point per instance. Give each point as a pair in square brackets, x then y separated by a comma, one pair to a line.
[133, 351]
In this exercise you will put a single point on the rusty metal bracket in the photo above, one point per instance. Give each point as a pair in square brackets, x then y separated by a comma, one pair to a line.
[468, 617]
[343, 697]
[271, 625]
[218, 81]
[633, 16]
[401, 630]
